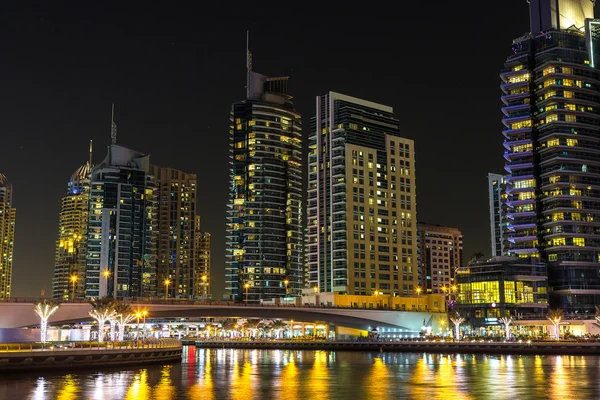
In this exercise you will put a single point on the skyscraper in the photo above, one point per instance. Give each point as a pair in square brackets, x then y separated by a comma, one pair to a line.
[121, 257]
[176, 196]
[7, 236]
[264, 216]
[551, 95]
[71, 246]
[440, 255]
[497, 199]
[201, 262]
[362, 231]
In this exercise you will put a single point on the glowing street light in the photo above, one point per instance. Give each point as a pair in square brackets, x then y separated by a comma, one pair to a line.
[247, 286]
[418, 290]
[286, 282]
[167, 283]
[73, 280]
[106, 274]
[144, 313]
[204, 279]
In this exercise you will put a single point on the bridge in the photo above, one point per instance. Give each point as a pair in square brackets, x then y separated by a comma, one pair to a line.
[18, 313]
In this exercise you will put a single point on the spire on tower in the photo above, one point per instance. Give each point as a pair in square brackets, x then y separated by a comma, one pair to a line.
[248, 64]
[113, 127]
[91, 149]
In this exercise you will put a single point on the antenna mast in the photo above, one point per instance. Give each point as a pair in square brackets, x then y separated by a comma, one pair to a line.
[113, 127]
[90, 160]
[248, 64]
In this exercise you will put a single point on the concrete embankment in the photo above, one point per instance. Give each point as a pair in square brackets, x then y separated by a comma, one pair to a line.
[534, 348]
[65, 358]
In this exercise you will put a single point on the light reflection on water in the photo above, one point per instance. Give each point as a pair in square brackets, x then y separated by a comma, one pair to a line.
[283, 374]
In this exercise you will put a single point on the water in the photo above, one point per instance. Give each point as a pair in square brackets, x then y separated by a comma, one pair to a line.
[316, 375]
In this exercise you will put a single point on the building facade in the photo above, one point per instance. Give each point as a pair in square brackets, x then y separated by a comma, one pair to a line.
[201, 262]
[70, 259]
[8, 216]
[551, 96]
[362, 231]
[176, 199]
[497, 198]
[264, 216]
[122, 228]
[501, 287]
[440, 254]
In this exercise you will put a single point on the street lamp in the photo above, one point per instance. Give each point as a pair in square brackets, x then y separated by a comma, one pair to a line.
[205, 284]
[167, 283]
[106, 274]
[247, 286]
[144, 313]
[419, 297]
[286, 283]
[73, 280]
[137, 333]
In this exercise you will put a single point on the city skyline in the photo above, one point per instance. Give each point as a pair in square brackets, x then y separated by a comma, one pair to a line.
[137, 118]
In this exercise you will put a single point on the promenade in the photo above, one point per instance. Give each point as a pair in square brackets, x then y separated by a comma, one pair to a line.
[34, 356]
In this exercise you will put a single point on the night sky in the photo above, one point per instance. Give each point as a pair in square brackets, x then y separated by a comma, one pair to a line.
[174, 72]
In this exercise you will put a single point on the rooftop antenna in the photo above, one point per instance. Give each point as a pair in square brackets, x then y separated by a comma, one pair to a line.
[90, 160]
[248, 64]
[113, 127]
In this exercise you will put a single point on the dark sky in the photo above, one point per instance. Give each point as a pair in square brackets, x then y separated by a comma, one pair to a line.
[173, 73]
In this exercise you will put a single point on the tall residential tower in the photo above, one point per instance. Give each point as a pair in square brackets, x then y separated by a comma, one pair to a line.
[362, 231]
[7, 236]
[121, 256]
[71, 246]
[440, 255]
[176, 218]
[497, 200]
[551, 95]
[264, 216]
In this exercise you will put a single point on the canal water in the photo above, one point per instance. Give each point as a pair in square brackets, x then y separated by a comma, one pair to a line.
[316, 375]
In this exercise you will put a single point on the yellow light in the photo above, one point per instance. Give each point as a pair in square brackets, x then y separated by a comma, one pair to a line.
[419, 290]
[167, 282]
[138, 315]
[247, 285]
[454, 288]
[316, 289]
[106, 273]
[145, 312]
[285, 282]
[204, 278]
[73, 278]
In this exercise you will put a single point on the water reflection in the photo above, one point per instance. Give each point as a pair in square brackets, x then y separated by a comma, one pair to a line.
[285, 374]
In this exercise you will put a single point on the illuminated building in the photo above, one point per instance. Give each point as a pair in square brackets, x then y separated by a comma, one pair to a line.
[497, 198]
[122, 227]
[362, 231]
[7, 236]
[201, 262]
[264, 216]
[71, 245]
[176, 197]
[551, 98]
[440, 254]
[499, 287]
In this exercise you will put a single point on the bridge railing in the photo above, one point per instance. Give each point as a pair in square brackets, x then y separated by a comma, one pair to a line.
[69, 346]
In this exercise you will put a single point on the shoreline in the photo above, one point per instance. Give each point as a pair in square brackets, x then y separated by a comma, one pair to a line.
[37, 360]
[533, 348]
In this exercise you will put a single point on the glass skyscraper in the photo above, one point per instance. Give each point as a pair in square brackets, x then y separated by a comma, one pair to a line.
[497, 199]
[71, 246]
[121, 256]
[264, 217]
[362, 231]
[7, 236]
[551, 96]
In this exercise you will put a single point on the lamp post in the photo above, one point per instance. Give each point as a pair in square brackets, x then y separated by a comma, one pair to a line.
[144, 313]
[137, 332]
[106, 274]
[205, 284]
[73, 280]
[316, 289]
[167, 283]
[247, 286]
[418, 297]
[286, 283]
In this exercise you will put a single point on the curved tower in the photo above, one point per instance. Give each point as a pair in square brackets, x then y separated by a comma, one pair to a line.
[7, 236]
[264, 216]
[70, 256]
[551, 96]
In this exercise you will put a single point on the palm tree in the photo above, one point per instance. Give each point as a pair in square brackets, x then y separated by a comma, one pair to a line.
[252, 325]
[598, 314]
[228, 325]
[506, 321]
[103, 309]
[278, 326]
[555, 315]
[123, 315]
[457, 319]
[45, 308]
